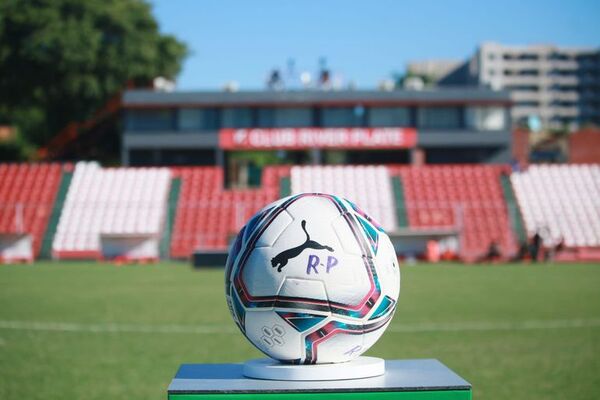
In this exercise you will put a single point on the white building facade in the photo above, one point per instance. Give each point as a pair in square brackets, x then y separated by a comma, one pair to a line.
[557, 86]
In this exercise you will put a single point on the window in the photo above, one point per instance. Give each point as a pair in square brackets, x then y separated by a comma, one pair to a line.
[197, 119]
[182, 156]
[237, 117]
[343, 116]
[559, 57]
[485, 118]
[524, 88]
[439, 117]
[187, 157]
[528, 57]
[150, 120]
[563, 103]
[531, 103]
[529, 72]
[139, 157]
[462, 155]
[284, 117]
[389, 116]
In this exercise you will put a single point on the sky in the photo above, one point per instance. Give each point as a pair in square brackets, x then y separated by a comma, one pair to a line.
[362, 42]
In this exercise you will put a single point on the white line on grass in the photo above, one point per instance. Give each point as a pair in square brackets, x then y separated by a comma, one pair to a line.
[114, 327]
[229, 329]
[495, 325]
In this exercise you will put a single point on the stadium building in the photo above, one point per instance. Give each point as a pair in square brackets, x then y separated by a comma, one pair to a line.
[317, 127]
[557, 86]
[431, 166]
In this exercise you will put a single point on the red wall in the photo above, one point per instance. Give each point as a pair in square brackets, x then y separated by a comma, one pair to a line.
[520, 146]
[584, 146]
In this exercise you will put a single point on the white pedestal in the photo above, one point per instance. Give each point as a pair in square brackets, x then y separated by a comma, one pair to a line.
[361, 367]
[403, 379]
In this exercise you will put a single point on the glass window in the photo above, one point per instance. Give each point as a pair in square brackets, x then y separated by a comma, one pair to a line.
[343, 116]
[485, 118]
[525, 88]
[185, 156]
[559, 57]
[237, 117]
[389, 116]
[529, 72]
[150, 120]
[293, 117]
[139, 157]
[439, 117]
[531, 103]
[197, 119]
[284, 117]
[528, 57]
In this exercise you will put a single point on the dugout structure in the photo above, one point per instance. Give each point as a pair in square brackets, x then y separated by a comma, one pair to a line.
[129, 247]
[16, 247]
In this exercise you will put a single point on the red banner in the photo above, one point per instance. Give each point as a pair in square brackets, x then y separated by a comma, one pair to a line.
[304, 138]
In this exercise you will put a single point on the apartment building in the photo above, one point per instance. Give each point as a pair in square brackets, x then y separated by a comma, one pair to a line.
[557, 86]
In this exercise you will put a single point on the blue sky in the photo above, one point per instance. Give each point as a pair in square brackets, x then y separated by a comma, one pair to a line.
[362, 41]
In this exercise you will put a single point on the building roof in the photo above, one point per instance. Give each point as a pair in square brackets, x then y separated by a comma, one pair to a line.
[446, 95]
[540, 48]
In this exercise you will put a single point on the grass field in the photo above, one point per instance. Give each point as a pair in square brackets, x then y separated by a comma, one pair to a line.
[93, 331]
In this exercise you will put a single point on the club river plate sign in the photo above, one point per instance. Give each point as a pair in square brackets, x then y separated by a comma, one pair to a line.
[304, 138]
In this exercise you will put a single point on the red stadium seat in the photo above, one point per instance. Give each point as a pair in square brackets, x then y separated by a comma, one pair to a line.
[207, 215]
[467, 197]
[27, 194]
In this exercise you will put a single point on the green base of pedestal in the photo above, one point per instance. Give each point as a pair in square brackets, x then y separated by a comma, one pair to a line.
[404, 379]
[429, 395]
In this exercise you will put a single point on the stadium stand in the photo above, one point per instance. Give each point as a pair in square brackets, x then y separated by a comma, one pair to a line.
[277, 178]
[468, 198]
[481, 204]
[208, 216]
[27, 195]
[129, 203]
[368, 186]
[562, 202]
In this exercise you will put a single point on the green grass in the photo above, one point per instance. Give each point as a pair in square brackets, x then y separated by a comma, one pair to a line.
[514, 332]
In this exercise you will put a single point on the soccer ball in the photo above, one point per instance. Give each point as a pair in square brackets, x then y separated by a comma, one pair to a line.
[312, 279]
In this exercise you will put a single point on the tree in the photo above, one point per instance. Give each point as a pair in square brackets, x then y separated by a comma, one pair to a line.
[60, 60]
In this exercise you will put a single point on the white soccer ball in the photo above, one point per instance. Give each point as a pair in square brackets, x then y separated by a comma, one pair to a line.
[312, 279]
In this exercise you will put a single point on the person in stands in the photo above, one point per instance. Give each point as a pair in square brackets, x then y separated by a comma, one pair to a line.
[536, 244]
[553, 250]
[493, 254]
[522, 253]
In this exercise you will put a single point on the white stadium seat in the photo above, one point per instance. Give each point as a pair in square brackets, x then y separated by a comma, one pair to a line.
[110, 201]
[367, 186]
[563, 200]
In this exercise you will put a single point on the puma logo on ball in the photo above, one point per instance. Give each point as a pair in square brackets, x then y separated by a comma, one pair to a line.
[281, 259]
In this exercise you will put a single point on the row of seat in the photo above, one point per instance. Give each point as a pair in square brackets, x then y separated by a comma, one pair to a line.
[110, 201]
[561, 202]
[27, 194]
[207, 216]
[367, 186]
[464, 198]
